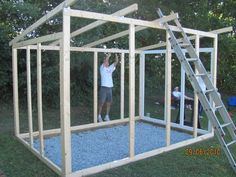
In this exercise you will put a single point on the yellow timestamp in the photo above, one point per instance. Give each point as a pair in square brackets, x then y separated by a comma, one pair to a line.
[202, 151]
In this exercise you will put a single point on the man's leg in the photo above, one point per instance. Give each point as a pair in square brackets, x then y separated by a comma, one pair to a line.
[109, 102]
[102, 98]
[100, 108]
[100, 111]
[108, 107]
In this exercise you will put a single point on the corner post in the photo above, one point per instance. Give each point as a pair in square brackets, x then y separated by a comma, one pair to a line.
[168, 89]
[29, 97]
[15, 91]
[65, 96]
[39, 98]
[214, 71]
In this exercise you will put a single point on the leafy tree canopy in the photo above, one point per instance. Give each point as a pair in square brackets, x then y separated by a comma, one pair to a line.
[17, 15]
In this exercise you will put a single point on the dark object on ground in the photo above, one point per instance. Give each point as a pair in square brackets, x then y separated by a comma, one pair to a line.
[231, 101]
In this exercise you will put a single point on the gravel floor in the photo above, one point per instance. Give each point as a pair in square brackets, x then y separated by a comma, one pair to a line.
[91, 148]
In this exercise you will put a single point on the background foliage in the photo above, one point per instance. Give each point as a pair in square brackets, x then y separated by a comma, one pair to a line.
[17, 15]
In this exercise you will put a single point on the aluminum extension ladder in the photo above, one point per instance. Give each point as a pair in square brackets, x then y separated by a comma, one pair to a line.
[209, 98]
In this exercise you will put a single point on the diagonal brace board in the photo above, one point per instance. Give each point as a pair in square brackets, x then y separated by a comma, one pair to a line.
[95, 24]
[42, 20]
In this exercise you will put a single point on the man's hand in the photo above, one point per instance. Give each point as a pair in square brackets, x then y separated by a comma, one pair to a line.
[108, 55]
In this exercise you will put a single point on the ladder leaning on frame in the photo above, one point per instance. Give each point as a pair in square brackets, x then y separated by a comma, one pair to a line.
[218, 115]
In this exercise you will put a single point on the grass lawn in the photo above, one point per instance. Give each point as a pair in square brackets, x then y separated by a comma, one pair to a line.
[17, 161]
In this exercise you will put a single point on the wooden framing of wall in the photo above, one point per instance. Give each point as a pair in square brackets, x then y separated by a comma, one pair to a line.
[195, 131]
[63, 39]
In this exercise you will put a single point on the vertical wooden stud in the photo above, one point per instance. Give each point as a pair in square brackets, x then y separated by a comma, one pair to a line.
[15, 91]
[182, 99]
[141, 84]
[214, 72]
[131, 90]
[95, 87]
[39, 98]
[168, 89]
[195, 106]
[65, 96]
[29, 97]
[122, 86]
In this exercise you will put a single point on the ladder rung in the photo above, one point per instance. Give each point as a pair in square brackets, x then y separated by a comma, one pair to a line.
[200, 74]
[218, 107]
[184, 44]
[232, 142]
[209, 91]
[226, 124]
[192, 59]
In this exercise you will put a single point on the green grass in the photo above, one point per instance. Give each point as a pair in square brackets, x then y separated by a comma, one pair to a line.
[17, 161]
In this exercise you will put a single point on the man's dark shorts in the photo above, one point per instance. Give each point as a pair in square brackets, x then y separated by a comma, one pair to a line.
[105, 94]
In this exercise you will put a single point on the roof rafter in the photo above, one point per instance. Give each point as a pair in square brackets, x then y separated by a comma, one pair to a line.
[42, 20]
[163, 44]
[123, 20]
[95, 24]
[140, 28]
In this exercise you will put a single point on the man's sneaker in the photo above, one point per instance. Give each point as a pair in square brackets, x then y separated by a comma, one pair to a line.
[100, 118]
[107, 118]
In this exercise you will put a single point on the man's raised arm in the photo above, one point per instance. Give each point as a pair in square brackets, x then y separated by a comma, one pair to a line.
[116, 60]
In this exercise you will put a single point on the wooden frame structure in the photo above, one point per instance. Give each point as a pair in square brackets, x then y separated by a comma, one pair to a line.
[63, 39]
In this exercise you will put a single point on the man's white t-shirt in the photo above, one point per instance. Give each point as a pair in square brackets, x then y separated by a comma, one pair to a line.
[106, 75]
[177, 94]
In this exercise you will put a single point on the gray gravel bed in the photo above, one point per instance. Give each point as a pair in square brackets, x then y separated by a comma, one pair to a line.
[96, 147]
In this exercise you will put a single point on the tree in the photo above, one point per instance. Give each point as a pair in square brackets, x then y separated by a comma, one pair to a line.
[17, 15]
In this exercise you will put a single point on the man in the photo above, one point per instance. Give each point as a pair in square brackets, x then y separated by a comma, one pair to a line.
[188, 101]
[106, 86]
[177, 95]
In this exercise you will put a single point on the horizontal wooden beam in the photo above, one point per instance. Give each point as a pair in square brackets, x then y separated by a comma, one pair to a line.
[85, 49]
[175, 126]
[118, 35]
[47, 38]
[117, 163]
[163, 44]
[81, 49]
[124, 20]
[42, 20]
[140, 28]
[223, 30]
[80, 127]
[193, 31]
[44, 159]
[95, 24]
[43, 47]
